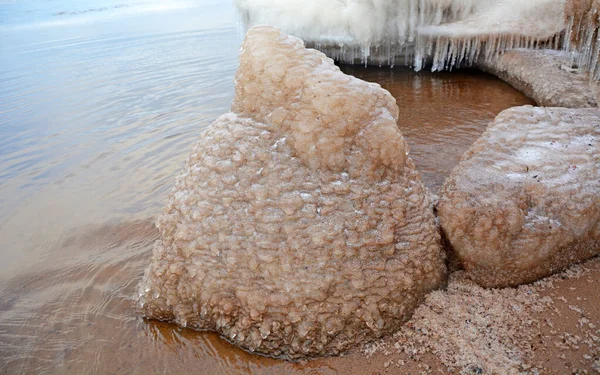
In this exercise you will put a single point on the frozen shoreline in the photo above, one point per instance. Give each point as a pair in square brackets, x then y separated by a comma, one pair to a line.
[545, 76]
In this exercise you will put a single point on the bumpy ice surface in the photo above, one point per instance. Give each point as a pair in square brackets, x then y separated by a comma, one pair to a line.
[299, 226]
[546, 76]
[524, 202]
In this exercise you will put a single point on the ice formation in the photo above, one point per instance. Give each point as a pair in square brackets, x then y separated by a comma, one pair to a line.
[524, 202]
[299, 226]
[495, 26]
[351, 30]
[547, 76]
[443, 33]
[583, 34]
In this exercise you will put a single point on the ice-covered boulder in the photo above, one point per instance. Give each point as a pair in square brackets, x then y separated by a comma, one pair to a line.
[299, 226]
[524, 201]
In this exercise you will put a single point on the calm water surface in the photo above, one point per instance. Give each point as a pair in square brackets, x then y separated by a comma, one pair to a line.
[100, 102]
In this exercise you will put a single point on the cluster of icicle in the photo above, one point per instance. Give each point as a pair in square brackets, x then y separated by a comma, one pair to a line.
[356, 29]
[439, 33]
[492, 28]
[444, 53]
[583, 35]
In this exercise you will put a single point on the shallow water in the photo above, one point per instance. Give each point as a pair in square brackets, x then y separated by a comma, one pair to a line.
[442, 114]
[100, 102]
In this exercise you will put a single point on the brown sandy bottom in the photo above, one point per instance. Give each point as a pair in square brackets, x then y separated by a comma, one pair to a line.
[79, 319]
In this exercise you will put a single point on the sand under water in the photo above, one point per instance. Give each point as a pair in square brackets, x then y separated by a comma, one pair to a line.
[89, 151]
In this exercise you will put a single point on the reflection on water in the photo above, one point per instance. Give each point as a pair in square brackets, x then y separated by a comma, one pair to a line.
[100, 102]
[96, 118]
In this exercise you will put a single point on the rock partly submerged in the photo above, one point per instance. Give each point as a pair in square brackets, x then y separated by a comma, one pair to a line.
[524, 202]
[299, 226]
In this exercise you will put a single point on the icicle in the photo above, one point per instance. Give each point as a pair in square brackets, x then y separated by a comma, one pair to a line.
[582, 39]
[445, 33]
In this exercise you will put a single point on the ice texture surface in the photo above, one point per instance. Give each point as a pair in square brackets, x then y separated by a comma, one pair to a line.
[546, 76]
[524, 202]
[299, 226]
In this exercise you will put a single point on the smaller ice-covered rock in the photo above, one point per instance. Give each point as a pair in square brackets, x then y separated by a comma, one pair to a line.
[524, 202]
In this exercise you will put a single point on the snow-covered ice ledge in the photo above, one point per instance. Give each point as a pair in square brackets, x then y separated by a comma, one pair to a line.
[442, 33]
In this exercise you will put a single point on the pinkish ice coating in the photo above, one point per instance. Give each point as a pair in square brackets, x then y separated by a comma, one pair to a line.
[524, 202]
[299, 226]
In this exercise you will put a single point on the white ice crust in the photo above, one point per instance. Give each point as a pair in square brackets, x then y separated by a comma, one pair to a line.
[299, 226]
[446, 32]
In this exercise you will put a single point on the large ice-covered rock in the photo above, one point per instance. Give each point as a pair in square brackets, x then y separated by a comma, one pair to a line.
[494, 27]
[524, 201]
[299, 226]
